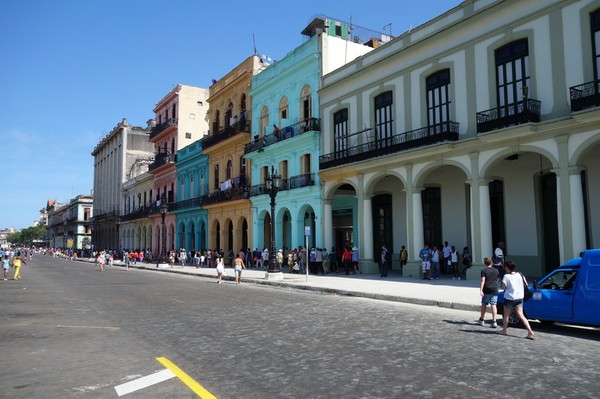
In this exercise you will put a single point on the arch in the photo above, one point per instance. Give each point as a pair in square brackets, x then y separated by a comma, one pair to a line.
[228, 114]
[306, 102]
[329, 192]
[508, 152]
[421, 175]
[283, 110]
[243, 101]
[371, 183]
[584, 147]
[263, 121]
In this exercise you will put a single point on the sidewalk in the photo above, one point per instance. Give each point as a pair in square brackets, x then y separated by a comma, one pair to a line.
[447, 293]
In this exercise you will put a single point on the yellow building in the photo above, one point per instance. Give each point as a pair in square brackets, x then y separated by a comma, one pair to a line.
[228, 200]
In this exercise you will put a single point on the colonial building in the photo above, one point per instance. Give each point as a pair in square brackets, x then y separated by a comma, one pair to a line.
[136, 226]
[287, 133]
[181, 119]
[114, 157]
[476, 127]
[228, 199]
[192, 181]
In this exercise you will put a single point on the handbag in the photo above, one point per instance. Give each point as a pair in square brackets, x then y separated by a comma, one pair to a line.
[526, 291]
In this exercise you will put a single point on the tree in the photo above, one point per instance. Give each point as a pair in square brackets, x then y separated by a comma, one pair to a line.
[29, 235]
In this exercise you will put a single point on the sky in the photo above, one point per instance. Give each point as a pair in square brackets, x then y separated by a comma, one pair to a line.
[71, 70]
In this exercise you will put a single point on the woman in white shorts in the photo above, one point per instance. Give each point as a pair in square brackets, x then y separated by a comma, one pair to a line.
[220, 269]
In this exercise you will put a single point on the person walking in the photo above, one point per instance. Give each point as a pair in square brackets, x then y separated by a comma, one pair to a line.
[454, 263]
[436, 254]
[347, 259]
[17, 261]
[5, 266]
[488, 290]
[383, 267]
[403, 259]
[238, 265]
[425, 256]
[512, 284]
[101, 260]
[220, 269]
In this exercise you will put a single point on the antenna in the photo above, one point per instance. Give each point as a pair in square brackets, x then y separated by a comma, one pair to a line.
[388, 26]
[254, 44]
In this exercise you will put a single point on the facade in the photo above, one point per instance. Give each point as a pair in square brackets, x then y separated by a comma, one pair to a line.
[56, 224]
[192, 181]
[138, 204]
[287, 134]
[69, 225]
[476, 127]
[228, 197]
[114, 157]
[181, 119]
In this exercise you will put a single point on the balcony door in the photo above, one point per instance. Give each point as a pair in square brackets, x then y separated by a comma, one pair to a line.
[512, 76]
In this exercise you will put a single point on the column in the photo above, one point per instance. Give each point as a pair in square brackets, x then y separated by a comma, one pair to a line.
[327, 224]
[577, 205]
[368, 264]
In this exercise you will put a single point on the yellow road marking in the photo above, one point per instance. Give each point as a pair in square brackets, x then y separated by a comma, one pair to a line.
[187, 380]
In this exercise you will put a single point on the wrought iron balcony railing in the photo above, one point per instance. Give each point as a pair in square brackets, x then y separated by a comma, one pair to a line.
[230, 131]
[307, 125]
[524, 111]
[446, 131]
[195, 202]
[236, 188]
[162, 158]
[290, 183]
[158, 129]
[586, 95]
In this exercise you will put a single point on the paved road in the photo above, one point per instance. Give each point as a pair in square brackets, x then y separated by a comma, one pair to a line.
[68, 331]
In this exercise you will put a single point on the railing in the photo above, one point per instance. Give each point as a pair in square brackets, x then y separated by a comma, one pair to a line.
[290, 183]
[586, 95]
[162, 158]
[307, 125]
[237, 190]
[195, 202]
[524, 111]
[158, 129]
[230, 131]
[103, 216]
[447, 131]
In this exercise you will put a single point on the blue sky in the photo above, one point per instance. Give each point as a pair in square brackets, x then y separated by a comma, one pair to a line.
[71, 70]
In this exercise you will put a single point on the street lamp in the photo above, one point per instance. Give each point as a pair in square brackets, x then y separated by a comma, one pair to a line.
[272, 184]
[163, 213]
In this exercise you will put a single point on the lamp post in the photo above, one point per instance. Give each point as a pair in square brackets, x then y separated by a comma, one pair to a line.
[272, 183]
[163, 213]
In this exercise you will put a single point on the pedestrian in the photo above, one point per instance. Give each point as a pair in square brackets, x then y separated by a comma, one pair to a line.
[238, 265]
[355, 260]
[454, 263]
[512, 284]
[488, 290]
[498, 258]
[126, 260]
[347, 259]
[425, 256]
[279, 258]
[171, 259]
[101, 260]
[383, 267]
[436, 255]
[403, 259]
[446, 250]
[220, 269]
[17, 261]
[182, 257]
[5, 266]
[265, 259]
[467, 260]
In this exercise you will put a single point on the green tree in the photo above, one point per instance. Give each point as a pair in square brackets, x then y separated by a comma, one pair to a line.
[29, 235]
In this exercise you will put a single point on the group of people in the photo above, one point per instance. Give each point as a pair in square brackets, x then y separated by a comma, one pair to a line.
[445, 260]
[14, 259]
[500, 273]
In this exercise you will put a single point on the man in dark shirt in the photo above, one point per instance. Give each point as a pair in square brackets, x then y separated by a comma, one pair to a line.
[489, 291]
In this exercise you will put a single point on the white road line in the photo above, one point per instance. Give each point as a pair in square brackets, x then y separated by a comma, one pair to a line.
[144, 382]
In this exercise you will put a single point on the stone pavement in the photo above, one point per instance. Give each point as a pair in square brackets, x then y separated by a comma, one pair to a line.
[445, 292]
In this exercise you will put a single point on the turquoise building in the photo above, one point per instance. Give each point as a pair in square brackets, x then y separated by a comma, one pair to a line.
[192, 181]
[286, 131]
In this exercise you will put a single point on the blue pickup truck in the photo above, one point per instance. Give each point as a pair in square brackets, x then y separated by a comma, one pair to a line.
[569, 294]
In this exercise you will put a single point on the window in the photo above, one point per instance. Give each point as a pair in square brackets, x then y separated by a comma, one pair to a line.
[512, 75]
[283, 109]
[174, 111]
[229, 170]
[340, 130]
[264, 121]
[283, 169]
[243, 107]
[305, 164]
[216, 177]
[595, 25]
[438, 101]
[383, 118]
[242, 166]
[264, 172]
[192, 191]
[216, 126]
[306, 102]
[229, 115]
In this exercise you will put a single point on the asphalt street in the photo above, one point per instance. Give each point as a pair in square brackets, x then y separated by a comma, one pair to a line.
[68, 330]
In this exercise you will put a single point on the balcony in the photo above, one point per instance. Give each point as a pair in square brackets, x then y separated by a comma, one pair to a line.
[161, 159]
[158, 129]
[230, 131]
[195, 202]
[307, 125]
[585, 96]
[447, 131]
[524, 111]
[232, 189]
[305, 180]
[140, 213]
